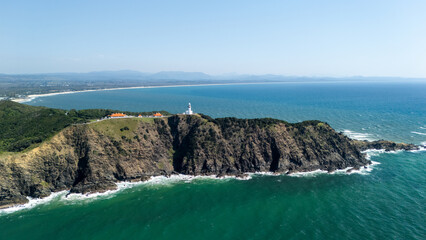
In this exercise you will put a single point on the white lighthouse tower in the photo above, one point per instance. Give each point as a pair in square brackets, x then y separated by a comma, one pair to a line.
[189, 111]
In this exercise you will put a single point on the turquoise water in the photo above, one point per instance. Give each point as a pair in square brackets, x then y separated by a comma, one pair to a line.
[386, 203]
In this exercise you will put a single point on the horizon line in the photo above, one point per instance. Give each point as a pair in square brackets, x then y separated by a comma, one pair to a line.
[215, 75]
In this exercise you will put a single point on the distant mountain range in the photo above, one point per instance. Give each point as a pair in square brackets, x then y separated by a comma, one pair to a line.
[19, 85]
[180, 75]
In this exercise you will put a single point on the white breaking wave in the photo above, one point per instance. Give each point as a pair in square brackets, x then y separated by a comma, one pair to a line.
[419, 133]
[33, 202]
[373, 152]
[359, 136]
[422, 148]
[307, 174]
[73, 198]
[362, 170]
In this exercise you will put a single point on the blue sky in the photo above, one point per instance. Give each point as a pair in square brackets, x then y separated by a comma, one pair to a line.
[303, 37]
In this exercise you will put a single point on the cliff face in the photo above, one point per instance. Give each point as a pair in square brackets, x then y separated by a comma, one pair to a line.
[92, 157]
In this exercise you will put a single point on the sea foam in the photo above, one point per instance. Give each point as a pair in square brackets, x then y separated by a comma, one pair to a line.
[76, 198]
[307, 174]
[422, 148]
[359, 136]
[33, 202]
[362, 170]
[79, 198]
[419, 133]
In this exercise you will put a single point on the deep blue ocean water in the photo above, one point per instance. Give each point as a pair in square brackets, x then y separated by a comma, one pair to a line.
[386, 203]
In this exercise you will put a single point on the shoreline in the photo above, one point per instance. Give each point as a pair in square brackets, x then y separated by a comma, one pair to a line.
[65, 195]
[163, 179]
[32, 97]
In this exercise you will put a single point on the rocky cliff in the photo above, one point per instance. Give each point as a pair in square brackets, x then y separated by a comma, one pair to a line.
[92, 157]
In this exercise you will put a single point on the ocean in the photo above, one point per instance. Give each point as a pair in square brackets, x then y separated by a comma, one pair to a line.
[386, 201]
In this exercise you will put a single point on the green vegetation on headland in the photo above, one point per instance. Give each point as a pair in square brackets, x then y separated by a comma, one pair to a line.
[22, 126]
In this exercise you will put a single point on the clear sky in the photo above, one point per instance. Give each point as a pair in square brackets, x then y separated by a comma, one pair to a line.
[297, 37]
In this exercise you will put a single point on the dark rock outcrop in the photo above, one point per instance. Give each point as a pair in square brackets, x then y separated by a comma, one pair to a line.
[92, 157]
[386, 145]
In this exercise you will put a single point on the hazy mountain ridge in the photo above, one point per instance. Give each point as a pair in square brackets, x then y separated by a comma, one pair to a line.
[19, 85]
[183, 75]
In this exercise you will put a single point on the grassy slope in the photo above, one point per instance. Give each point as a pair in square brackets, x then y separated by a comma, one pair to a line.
[117, 128]
[23, 126]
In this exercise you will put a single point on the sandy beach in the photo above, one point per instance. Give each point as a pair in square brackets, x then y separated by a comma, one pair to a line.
[34, 96]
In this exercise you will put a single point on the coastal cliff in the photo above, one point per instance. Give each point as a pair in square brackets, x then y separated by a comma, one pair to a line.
[92, 157]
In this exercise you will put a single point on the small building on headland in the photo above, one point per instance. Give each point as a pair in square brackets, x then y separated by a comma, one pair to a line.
[118, 115]
[189, 111]
[158, 115]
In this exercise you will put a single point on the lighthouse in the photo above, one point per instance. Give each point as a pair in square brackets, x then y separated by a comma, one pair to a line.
[189, 111]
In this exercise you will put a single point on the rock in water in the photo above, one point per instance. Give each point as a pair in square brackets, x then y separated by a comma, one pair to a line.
[386, 145]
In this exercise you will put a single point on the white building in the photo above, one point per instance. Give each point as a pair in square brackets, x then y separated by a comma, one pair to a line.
[189, 111]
